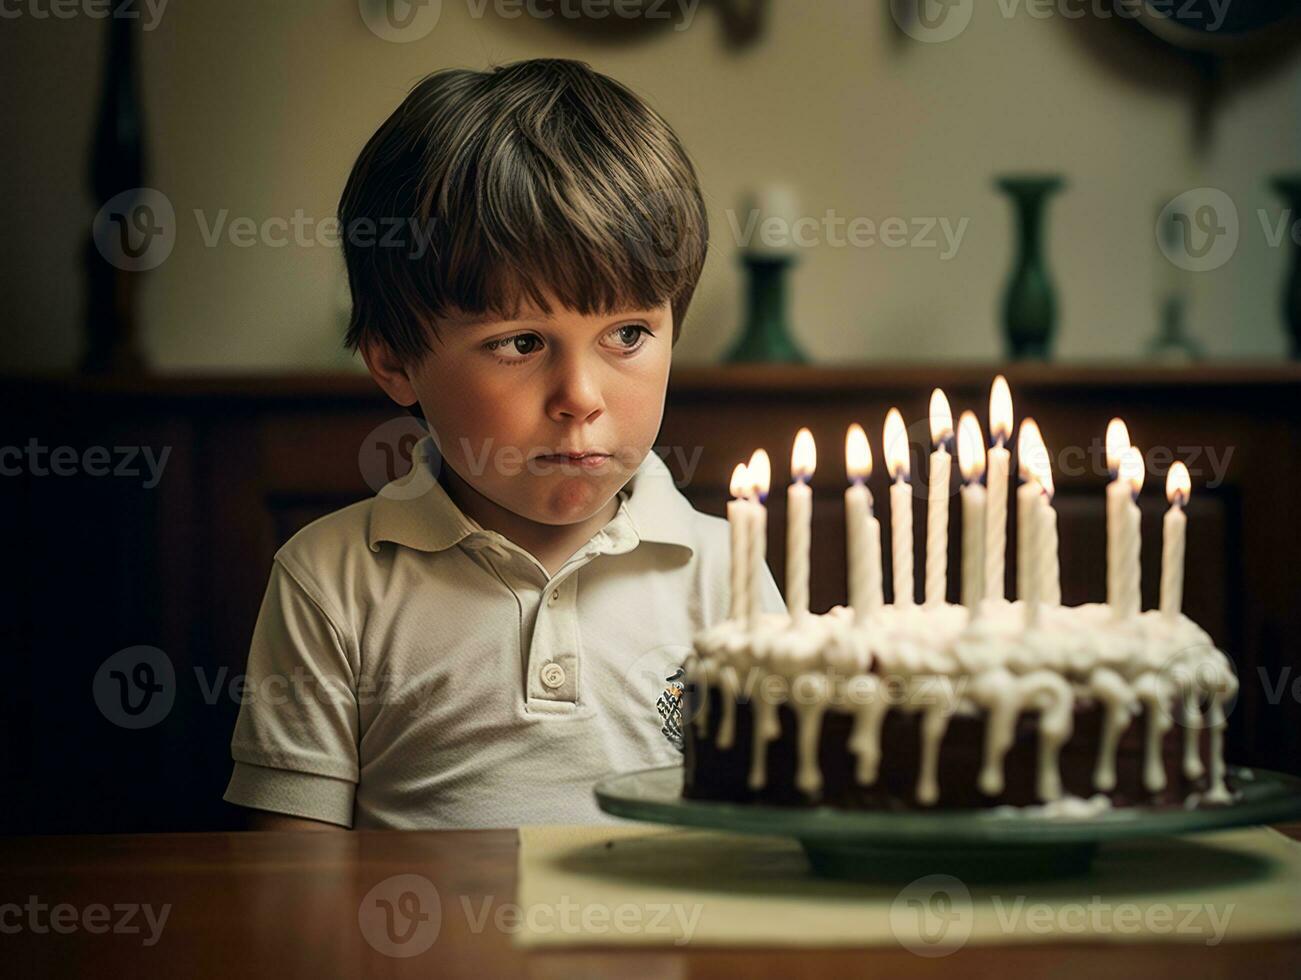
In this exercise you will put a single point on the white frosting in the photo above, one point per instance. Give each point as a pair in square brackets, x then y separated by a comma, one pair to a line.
[940, 660]
[1066, 808]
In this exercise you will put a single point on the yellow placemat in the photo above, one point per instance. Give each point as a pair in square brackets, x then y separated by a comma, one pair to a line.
[638, 885]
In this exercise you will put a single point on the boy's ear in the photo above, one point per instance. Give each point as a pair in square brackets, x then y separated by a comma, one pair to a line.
[388, 371]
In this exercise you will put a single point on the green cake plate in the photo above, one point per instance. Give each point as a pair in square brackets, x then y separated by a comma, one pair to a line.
[976, 845]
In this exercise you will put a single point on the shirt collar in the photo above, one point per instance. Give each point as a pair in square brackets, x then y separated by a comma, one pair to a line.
[415, 510]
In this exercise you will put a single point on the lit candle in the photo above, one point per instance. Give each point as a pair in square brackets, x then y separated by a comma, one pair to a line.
[1042, 561]
[1028, 460]
[738, 522]
[998, 464]
[760, 471]
[799, 519]
[1178, 487]
[1027, 493]
[1051, 588]
[1129, 561]
[901, 507]
[937, 505]
[1118, 494]
[971, 461]
[864, 530]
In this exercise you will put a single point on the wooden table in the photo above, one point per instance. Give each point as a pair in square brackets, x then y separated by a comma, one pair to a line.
[286, 904]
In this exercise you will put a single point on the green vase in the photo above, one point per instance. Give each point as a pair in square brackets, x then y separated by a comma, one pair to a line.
[1030, 302]
[1288, 186]
[765, 335]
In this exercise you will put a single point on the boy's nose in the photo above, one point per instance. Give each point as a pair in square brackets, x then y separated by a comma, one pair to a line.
[577, 395]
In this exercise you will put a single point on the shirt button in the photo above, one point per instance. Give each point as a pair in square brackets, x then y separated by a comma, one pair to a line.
[553, 675]
[555, 597]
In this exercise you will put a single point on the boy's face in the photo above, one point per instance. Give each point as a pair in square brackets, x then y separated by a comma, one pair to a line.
[502, 398]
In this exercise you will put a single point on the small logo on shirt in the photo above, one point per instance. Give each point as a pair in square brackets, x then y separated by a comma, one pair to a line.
[669, 705]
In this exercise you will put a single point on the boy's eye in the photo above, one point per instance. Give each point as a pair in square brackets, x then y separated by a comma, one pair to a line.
[631, 339]
[521, 343]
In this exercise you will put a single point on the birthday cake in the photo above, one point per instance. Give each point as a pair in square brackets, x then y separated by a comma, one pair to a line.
[986, 703]
[918, 708]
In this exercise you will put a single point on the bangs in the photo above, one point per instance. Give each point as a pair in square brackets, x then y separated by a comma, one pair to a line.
[587, 247]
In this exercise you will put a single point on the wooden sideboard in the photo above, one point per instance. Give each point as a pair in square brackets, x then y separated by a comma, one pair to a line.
[99, 562]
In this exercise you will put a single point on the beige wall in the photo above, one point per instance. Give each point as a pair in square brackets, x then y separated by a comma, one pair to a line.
[260, 108]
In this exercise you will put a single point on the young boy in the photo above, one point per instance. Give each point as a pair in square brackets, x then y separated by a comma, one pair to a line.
[487, 637]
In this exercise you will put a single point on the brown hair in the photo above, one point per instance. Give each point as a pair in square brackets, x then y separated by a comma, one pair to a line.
[484, 186]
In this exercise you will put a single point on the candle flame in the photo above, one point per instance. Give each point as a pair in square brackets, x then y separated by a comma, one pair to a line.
[1132, 469]
[1023, 451]
[1178, 484]
[895, 445]
[971, 448]
[1000, 411]
[941, 418]
[1117, 443]
[760, 470]
[858, 453]
[740, 484]
[804, 455]
[1032, 455]
[1033, 460]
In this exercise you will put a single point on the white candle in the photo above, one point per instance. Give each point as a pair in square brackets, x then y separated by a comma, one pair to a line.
[1026, 495]
[1033, 603]
[1044, 562]
[1031, 462]
[971, 461]
[1129, 562]
[997, 466]
[1118, 495]
[862, 527]
[799, 520]
[1043, 588]
[1178, 487]
[937, 503]
[760, 470]
[774, 210]
[1042, 576]
[901, 507]
[1050, 590]
[738, 523]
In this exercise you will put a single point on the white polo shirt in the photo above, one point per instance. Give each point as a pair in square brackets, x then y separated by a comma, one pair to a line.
[410, 669]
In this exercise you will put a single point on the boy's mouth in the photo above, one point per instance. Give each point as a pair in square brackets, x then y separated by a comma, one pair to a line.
[588, 459]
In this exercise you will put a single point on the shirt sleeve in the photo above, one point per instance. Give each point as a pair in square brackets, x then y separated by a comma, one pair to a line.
[296, 737]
